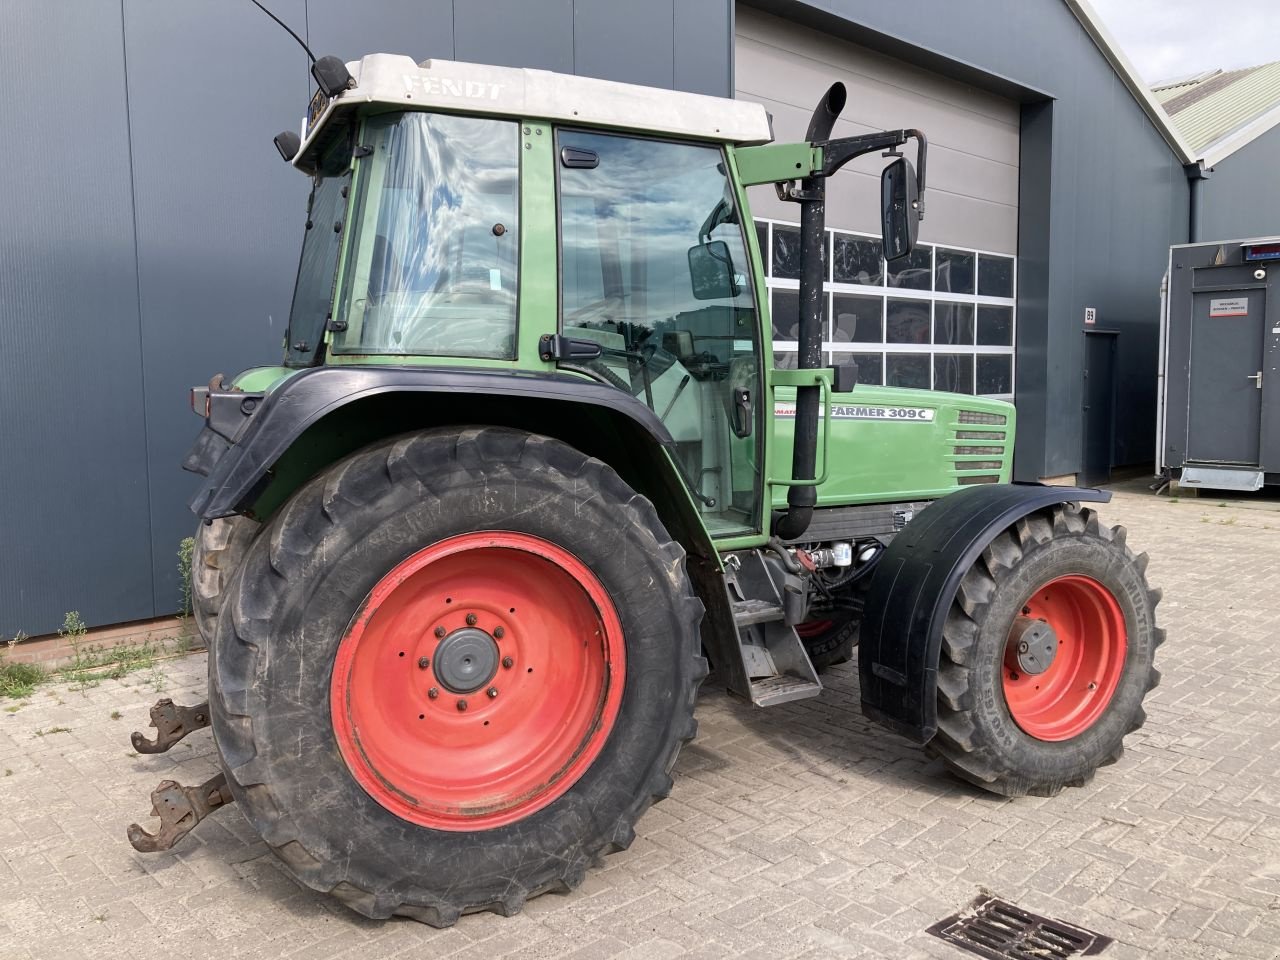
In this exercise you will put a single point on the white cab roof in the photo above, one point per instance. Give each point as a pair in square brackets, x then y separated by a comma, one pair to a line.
[455, 86]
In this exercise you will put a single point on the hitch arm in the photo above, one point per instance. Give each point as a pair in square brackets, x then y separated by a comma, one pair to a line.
[172, 723]
[179, 809]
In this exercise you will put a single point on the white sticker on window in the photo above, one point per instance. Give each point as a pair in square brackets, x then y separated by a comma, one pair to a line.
[495, 279]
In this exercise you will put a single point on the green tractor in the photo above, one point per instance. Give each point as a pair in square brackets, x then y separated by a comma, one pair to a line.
[528, 472]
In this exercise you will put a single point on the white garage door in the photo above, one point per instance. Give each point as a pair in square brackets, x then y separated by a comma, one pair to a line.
[944, 318]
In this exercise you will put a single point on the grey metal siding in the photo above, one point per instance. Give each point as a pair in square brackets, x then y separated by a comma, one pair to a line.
[1241, 198]
[73, 479]
[218, 220]
[108, 328]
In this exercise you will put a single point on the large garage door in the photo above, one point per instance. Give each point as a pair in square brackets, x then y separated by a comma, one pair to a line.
[944, 318]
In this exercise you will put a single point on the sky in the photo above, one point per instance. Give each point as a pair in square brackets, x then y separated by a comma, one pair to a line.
[1171, 38]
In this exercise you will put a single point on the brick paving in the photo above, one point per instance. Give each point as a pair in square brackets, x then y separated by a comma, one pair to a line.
[799, 831]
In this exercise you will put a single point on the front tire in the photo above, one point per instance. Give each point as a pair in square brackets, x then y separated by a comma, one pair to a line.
[403, 801]
[1060, 585]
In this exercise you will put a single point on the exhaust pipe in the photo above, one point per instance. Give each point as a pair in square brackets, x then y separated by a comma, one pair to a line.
[813, 220]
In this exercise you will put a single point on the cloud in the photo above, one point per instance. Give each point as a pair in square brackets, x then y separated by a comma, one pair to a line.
[1170, 38]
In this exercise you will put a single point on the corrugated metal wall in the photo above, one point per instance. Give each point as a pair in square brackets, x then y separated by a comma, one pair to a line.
[151, 234]
[1241, 200]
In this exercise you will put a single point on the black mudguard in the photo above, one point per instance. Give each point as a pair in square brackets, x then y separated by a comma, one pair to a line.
[912, 590]
[245, 434]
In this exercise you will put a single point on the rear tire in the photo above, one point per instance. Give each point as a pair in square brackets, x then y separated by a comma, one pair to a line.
[418, 839]
[219, 549]
[1016, 733]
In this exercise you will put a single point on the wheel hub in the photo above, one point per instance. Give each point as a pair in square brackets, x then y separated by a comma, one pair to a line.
[1032, 646]
[466, 660]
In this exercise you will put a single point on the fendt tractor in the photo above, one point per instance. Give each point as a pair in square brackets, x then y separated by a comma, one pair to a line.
[528, 471]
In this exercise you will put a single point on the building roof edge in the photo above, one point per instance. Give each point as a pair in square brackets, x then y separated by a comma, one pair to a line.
[1105, 42]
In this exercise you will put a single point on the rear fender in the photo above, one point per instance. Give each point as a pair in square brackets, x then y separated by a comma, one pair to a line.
[912, 589]
[320, 415]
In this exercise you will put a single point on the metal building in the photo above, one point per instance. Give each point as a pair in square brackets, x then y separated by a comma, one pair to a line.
[151, 232]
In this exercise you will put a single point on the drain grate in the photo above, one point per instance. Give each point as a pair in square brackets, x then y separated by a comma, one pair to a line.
[1002, 931]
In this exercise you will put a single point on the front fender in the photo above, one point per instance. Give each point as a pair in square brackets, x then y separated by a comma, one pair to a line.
[912, 589]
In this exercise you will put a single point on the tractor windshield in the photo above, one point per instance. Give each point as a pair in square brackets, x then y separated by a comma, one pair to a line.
[435, 249]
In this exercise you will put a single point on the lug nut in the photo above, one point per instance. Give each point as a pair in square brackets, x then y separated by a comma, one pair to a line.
[471, 619]
[423, 663]
[498, 633]
[508, 662]
[462, 704]
[440, 631]
[493, 692]
[433, 693]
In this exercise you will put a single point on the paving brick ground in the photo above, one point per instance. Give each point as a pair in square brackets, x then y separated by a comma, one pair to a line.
[800, 831]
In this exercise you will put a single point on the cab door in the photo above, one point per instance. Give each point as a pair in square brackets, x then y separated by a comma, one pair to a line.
[654, 268]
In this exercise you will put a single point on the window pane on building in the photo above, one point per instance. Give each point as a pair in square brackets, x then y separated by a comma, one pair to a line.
[995, 276]
[762, 238]
[953, 372]
[871, 366]
[954, 271]
[858, 319]
[907, 370]
[914, 271]
[784, 361]
[786, 314]
[952, 323]
[995, 326]
[995, 373]
[786, 252]
[857, 260]
[907, 321]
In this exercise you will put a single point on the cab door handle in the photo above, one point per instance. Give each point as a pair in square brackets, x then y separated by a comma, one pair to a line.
[1256, 378]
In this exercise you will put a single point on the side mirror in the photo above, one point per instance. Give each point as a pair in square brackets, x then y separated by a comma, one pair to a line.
[899, 208]
[711, 271]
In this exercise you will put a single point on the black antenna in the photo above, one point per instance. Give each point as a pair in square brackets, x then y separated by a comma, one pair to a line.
[286, 27]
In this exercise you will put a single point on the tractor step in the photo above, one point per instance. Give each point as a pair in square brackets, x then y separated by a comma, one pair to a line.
[172, 723]
[748, 612]
[179, 809]
[773, 666]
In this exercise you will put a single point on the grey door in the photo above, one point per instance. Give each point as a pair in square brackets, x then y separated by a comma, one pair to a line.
[1225, 416]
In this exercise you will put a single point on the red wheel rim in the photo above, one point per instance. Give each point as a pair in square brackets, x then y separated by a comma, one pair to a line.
[1068, 698]
[494, 749]
[814, 628]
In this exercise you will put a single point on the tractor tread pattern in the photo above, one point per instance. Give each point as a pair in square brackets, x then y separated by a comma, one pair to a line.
[957, 741]
[318, 509]
[220, 545]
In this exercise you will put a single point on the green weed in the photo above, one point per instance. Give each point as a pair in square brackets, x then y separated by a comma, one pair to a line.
[18, 679]
[48, 731]
[116, 714]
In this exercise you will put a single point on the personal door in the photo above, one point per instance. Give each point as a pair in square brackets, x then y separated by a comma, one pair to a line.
[1225, 419]
[654, 268]
[1099, 406]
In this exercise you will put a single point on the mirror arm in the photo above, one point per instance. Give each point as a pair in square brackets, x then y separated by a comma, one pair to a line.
[922, 147]
[836, 153]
